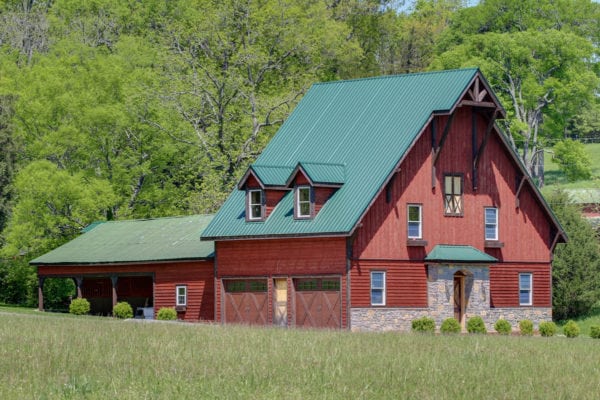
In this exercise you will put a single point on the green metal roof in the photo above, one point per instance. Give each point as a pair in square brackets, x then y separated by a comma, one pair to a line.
[458, 253]
[366, 125]
[324, 173]
[148, 240]
[271, 175]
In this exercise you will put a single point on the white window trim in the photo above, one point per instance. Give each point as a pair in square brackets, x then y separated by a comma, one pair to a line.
[420, 221]
[485, 223]
[177, 302]
[530, 302]
[298, 202]
[383, 289]
[251, 216]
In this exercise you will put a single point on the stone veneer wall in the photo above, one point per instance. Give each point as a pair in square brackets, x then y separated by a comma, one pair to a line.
[440, 293]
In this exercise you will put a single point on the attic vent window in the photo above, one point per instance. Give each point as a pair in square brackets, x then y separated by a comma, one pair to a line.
[255, 205]
[304, 203]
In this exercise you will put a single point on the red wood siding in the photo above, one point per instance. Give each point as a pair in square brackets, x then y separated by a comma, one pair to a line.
[406, 283]
[272, 198]
[197, 276]
[252, 183]
[322, 194]
[504, 284]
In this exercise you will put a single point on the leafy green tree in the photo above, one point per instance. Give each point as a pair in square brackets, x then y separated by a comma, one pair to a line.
[7, 159]
[573, 160]
[576, 266]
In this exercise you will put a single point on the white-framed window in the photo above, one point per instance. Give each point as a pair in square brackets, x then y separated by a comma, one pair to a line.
[255, 204]
[453, 194]
[377, 288]
[491, 223]
[181, 295]
[303, 202]
[525, 289]
[415, 221]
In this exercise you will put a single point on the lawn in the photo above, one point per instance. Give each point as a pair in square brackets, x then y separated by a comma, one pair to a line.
[57, 357]
[554, 178]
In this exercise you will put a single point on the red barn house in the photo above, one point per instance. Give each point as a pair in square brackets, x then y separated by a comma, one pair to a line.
[383, 200]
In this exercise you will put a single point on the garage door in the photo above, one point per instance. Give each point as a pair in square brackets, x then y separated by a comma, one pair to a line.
[246, 301]
[318, 302]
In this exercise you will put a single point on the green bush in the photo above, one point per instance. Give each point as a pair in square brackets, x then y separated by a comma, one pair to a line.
[476, 325]
[526, 327]
[123, 310]
[571, 329]
[547, 328]
[503, 327]
[167, 314]
[424, 324]
[450, 325]
[595, 331]
[79, 307]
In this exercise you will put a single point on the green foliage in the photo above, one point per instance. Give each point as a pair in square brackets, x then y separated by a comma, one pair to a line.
[573, 160]
[571, 329]
[18, 283]
[476, 325]
[123, 310]
[167, 314]
[595, 331]
[503, 327]
[547, 328]
[450, 326]
[58, 293]
[424, 324]
[526, 327]
[79, 306]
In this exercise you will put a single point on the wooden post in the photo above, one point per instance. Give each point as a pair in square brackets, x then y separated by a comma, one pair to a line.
[78, 282]
[41, 280]
[114, 279]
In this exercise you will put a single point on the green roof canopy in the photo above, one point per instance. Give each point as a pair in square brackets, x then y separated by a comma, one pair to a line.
[148, 240]
[458, 254]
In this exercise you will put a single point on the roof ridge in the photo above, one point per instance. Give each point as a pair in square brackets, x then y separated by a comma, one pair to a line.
[409, 75]
[156, 218]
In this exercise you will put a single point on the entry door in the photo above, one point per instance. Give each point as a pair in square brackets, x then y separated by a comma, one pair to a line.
[280, 303]
[459, 298]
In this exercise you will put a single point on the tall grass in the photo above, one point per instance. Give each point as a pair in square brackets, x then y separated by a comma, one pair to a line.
[96, 358]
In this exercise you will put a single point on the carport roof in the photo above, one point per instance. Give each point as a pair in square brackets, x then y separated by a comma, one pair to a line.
[134, 241]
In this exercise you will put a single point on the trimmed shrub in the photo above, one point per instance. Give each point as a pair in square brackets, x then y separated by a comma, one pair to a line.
[79, 307]
[123, 310]
[424, 324]
[167, 314]
[547, 328]
[571, 329]
[595, 331]
[450, 325]
[476, 325]
[503, 327]
[526, 327]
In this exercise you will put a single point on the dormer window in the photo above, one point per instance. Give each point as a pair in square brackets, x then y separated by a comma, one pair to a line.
[304, 204]
[255, 205]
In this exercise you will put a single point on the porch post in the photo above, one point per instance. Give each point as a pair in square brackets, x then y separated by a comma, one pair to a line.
[78, 282]
[41, 280]
[114, 279]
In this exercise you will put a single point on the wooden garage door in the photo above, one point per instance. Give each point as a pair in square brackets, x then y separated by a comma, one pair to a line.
[318, 302]
[246, 301]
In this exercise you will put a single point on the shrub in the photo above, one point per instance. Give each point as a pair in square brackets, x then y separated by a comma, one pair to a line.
[450, 325]
[571, 329]
[424, 324]
[503, 327]
[79, 307]
[476, 325]
[123, 310]
[547, 328]
[167, 314]
[595, 331]
[526, 327]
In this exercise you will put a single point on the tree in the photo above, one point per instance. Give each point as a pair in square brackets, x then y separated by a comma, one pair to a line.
[7, 159]
[573, 160]
[576, 266]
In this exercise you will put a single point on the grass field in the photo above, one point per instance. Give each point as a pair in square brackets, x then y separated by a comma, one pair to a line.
[57, 357]
[554, 178]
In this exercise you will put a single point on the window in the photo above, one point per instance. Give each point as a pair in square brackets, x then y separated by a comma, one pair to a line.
[491, 223]
[377, 288]
[303, 202]
[414, 222]
[255, 205]
[181, 295]
[453, 201]
[525, 289]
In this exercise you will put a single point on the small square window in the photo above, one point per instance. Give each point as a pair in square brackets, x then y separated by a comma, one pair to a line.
[377, 288]
[181, 295]
[255, 205]
[453, 195]
[525, 289]
[303, 202]
[415, 224]
[491, 223]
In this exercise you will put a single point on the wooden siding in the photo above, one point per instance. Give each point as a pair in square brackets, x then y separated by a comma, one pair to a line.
[504, 284]
[406, 283]
[272, 198]
[197, 276]
[322, 194]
